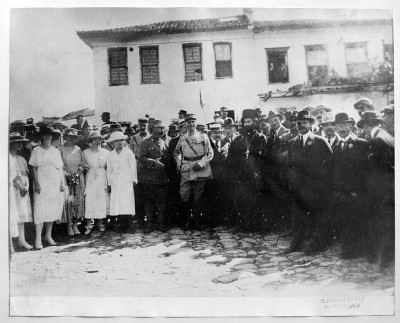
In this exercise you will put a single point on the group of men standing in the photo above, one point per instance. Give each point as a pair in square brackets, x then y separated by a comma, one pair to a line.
[322, 179]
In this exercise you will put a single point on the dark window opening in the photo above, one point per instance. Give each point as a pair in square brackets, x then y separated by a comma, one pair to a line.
[118, 62]
[278, 70]
[193, 64]
[223, 59]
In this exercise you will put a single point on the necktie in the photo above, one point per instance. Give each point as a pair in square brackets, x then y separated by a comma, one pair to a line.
[217, 145]
[272, 135]
[301, 141]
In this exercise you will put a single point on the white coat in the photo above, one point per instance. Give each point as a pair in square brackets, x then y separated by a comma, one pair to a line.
[121, 174]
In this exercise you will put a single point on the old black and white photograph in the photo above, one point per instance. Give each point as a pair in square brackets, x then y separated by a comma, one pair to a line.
[201, 161]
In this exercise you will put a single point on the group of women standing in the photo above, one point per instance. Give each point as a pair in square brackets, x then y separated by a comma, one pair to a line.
[68, 184]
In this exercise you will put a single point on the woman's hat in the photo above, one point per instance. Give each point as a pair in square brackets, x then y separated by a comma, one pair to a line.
[71, 132]
[16, 137]
[116, 136]
[94, 134]
[45, 130]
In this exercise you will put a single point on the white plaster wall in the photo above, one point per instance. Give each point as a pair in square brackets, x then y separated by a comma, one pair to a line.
[164, 100]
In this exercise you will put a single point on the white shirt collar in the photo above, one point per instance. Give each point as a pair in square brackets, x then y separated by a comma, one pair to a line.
[346, 139]
[305, 137]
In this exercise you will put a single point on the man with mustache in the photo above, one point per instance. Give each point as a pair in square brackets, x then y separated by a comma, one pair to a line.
[309, 161]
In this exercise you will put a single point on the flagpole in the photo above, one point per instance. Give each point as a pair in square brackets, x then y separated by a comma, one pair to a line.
[204, 112]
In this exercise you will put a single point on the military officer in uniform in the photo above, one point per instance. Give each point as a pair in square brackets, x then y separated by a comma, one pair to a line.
[153, 176]
[193, 154]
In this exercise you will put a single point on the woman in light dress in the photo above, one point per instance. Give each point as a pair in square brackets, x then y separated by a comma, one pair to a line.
[96, 195]
[74, 163]
[13, 211]
[21, 188]
[122, 176]
[48, 186]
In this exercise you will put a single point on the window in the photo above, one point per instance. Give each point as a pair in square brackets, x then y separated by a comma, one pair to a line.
[317, 63]
[223, 59]
[192, 58]
[117, 59]
[277, 59]
[149, 63]
[356, 59]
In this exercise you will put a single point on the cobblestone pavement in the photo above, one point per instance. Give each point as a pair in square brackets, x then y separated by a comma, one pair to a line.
[191, 263]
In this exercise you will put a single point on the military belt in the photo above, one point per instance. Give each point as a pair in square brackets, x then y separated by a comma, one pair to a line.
[193, 158]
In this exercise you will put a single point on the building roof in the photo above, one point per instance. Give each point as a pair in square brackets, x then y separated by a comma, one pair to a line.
[240, 22]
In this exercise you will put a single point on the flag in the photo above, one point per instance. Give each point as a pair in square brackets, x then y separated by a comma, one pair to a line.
[201, 101]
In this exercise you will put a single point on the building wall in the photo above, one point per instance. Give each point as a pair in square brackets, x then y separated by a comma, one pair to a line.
[249, 66]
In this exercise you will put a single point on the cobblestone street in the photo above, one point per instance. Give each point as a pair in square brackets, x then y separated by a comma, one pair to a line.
[191, 263]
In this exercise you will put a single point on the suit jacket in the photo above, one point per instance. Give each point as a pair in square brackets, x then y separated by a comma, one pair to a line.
[380, 184]
[227, 140]
[217, 163]
[274, 144]
[350, 165]
[310, 170]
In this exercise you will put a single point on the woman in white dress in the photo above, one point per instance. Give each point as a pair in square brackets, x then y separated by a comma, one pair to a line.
[121, 176]
[21, 188]
[96, 195]
[48, 186]
[13, 211]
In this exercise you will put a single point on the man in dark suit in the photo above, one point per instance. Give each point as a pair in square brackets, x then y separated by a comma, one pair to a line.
[274, 188]
[380, 189]
[310, 165]
[328, 128]
[215, 187]
[349, 173]
[244, 158]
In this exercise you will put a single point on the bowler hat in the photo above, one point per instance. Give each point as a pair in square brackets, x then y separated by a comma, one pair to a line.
[342, 117]
[142, 120]
[182, 112]
[29, 121]
[105, 114]
[328, 117]
[172, 127]
[304, 115]
[117, 135]
[369, 118]
[16, 137]
[249, 114]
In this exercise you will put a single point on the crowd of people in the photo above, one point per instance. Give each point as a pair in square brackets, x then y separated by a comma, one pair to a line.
[309, 174]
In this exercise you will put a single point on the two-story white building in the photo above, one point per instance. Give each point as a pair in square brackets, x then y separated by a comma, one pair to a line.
[236, 62]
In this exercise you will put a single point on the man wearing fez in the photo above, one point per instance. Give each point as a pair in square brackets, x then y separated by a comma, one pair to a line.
[139, 137]
[379, 190]
[79, 124]
[193, 154]
[153, 177]
[274, 189]
[244, 159]
[349, 174]
[310, 168]
[215, 188]
[105, 117]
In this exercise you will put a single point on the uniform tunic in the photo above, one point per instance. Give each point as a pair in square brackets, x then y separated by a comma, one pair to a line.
[48, 205]
[121, 174]
[96, 196]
